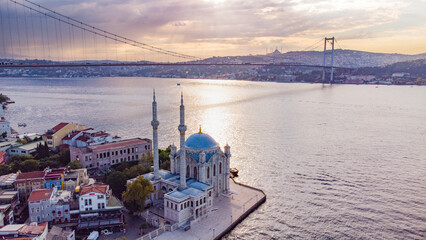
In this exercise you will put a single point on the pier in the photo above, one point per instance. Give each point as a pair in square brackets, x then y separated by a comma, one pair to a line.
[227, 213]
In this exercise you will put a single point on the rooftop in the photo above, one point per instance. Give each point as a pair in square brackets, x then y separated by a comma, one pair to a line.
[121, 144]
[98, 188]
[56, 128]
[8, 179]
[30, 146]
[40, 194]
[30, 175]
[33, 229]
[200, 141]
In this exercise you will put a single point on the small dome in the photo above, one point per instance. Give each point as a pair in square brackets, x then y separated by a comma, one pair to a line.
[200, 141]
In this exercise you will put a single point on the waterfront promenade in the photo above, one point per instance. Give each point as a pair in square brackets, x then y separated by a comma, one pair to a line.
[226, 214]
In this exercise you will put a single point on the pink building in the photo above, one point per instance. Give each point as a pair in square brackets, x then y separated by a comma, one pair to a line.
[105, 155]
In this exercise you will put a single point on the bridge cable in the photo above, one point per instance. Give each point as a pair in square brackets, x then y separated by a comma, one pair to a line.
[146, 46]
[18, 31]
[10, 30]
[42, 37]
[2, 35]
[309, 47]
[116, 38]
[26, 34]
[32, 31]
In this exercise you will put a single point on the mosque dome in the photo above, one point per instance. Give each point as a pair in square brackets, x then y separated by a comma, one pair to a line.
[200, 141]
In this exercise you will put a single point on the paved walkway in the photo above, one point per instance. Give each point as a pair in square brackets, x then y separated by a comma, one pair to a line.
[226, 210]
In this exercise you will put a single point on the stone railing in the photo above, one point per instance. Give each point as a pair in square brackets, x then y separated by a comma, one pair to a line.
[155, 233]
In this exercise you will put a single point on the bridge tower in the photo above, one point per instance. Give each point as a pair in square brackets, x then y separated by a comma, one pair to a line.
[332, 58]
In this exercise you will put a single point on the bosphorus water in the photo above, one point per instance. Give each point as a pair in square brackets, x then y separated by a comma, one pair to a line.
[336, 162]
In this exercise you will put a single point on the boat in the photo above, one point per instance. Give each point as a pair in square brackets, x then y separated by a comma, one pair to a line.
[22, 124]
[234, 172]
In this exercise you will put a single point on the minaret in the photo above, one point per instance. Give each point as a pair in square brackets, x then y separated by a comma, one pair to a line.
[182, 129]
[154, 124]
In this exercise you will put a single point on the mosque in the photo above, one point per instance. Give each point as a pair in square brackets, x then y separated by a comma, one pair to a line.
[199, 173]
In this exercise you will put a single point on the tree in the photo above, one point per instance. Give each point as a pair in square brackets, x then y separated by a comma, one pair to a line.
[117, 181]
[164, 158]
[42, 151]
[64, 157]
[5, 169]
[75, 165]
[146, 159]
[22, 141]
[30, 165]
[136, 194]
[136, 171]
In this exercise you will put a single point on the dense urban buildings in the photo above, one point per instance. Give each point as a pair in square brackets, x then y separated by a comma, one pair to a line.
[53, 137]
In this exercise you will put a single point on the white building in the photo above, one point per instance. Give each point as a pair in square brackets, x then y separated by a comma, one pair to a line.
[25, 149]
[4, 125]
[49, 205]
[93, 197]
[88, 137]
[199, 172]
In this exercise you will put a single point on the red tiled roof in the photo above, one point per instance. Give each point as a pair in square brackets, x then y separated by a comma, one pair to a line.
[33, 230]
[72, 134]
[40, 194]
[59, 126]
[99, 134]
[99, 188]
[30, 175]
[121, 144]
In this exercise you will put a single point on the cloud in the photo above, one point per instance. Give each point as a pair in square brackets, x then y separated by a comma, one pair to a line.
[249, 25]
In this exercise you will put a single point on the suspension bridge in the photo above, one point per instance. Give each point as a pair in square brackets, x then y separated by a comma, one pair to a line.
[31, 31]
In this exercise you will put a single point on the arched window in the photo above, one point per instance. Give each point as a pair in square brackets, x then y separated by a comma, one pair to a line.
[163, 189]
[214, 170]
[187, 170]
[195, 173]
[208, 172]
[220, 168]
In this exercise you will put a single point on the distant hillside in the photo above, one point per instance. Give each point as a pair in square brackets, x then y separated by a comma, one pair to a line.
[416, 68]
[342, 58]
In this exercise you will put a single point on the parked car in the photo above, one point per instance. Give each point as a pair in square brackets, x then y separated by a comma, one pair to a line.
[106, 232]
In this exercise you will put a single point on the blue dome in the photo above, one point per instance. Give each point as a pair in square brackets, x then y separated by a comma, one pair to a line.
[200, 141]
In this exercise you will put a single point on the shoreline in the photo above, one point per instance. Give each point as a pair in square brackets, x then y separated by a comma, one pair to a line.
[229, 212]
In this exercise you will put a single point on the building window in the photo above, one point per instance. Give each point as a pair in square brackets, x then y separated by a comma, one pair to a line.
[90, 201]
[214, 170]
[192, 204]
[85, 202]
[220, 168]
[187, 171]
[208, 172]
[121, 152]
[137, 149]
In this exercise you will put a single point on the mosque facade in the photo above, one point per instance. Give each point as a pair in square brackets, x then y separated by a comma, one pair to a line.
[199, 173]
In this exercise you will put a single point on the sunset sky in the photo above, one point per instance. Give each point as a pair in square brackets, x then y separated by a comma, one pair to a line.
[217, 27]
